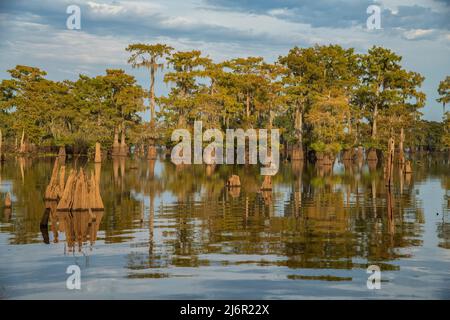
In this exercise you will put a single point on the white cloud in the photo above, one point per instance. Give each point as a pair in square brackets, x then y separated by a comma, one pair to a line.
[126, 8]
[393, 5]
[418, 33]
[284, 12]
[105, 9]
[222, 34]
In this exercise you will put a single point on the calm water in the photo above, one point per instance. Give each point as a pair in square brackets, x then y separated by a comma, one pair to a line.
[169, 233]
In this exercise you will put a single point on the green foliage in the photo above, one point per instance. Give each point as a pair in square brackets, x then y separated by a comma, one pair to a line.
[61, 113]
[446, 134]
[326, 98]
[444, 91]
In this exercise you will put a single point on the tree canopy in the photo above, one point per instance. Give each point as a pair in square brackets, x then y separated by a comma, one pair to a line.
[323, 98]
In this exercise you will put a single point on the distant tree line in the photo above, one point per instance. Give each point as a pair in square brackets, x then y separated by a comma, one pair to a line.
[322, 98]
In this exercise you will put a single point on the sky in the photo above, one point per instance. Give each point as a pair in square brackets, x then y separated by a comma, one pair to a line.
[34, 32]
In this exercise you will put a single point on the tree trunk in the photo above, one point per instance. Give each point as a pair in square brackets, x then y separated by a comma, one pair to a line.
[247, 104]
[152, 94]
[123, 144]
[374, 122]
[389, 166]
[116, 146]
[22, 142]
[297, 150]
[98, 153]
[298, 125]
[401, 154]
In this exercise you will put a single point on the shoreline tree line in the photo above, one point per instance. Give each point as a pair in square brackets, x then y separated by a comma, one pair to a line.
[324, 99]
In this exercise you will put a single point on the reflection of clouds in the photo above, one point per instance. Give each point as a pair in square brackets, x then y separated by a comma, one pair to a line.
[200, 237]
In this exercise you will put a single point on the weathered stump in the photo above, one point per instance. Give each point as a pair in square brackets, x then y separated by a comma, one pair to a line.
[81, 193]
[95, 200]
[55, 188]
[62, 179]
[234, 181]
[65, 203]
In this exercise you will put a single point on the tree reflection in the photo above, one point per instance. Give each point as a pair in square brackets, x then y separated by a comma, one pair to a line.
[313, 218]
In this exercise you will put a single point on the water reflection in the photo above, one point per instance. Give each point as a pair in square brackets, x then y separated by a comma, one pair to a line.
[339, 217]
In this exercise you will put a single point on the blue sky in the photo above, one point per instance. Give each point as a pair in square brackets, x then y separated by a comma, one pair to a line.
[34, 33]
